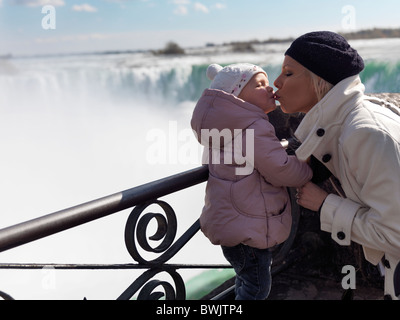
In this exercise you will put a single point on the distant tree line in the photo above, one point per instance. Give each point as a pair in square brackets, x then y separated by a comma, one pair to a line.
[172, 48]
[372, 34]
[362, 34]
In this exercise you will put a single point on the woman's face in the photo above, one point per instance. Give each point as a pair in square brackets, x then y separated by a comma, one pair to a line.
[295, 92]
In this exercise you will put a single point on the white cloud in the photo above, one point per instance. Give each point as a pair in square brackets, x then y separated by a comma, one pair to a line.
[39, 3]
[220, 6]
[182, 7]
[84, 8]
[201, 7]
[181, 2]
[181, 11]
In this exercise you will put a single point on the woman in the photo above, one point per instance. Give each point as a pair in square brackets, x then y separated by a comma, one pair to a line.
[357, 140]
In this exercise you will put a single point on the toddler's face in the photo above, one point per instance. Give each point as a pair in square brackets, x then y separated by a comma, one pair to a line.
[259, 93]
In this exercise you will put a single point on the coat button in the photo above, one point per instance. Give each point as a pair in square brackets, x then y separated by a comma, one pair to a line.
[340, 235]
[326, 158]
[320, 132]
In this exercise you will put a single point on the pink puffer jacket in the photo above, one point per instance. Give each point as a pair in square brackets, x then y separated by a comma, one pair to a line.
[253, 209]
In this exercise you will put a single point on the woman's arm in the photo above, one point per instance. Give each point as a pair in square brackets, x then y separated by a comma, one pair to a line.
[374, 172]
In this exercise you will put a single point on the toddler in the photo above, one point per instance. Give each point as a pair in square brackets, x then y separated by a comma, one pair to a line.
[245, 213]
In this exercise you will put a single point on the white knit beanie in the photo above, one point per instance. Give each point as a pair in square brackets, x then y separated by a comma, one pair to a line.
[233, 78]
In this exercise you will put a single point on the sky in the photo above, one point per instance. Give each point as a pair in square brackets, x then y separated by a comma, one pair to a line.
[104, 25]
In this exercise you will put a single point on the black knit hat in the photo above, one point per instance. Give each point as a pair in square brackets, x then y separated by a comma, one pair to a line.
[327, 54]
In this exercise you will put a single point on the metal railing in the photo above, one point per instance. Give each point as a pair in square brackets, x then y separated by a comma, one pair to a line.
[135, 235]
[65, 219]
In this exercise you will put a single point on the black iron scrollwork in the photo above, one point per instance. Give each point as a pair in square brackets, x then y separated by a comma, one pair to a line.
[136, 233]
[136, 237]
[136, 229]
[170, 292]
[166, 230]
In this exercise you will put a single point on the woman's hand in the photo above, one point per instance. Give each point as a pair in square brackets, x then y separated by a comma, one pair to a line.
[310, 196]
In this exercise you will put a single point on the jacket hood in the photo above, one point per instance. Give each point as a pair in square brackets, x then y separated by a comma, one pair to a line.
[221, 111]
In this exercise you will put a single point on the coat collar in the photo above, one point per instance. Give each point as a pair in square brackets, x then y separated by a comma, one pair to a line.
[325, 118]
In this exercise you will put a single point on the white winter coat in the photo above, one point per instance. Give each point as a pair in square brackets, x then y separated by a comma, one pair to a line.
[358, 140]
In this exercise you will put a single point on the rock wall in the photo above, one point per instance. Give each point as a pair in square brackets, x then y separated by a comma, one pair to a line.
[390, 97]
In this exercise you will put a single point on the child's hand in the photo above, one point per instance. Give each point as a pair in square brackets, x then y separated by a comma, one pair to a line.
[310, 196]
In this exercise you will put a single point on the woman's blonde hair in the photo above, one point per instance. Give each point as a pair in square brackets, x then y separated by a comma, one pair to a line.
[321, 86]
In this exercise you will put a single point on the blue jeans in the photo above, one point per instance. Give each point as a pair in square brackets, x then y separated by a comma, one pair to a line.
[253, 271]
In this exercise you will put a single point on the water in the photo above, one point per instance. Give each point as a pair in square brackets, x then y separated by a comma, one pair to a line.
[76, 128]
